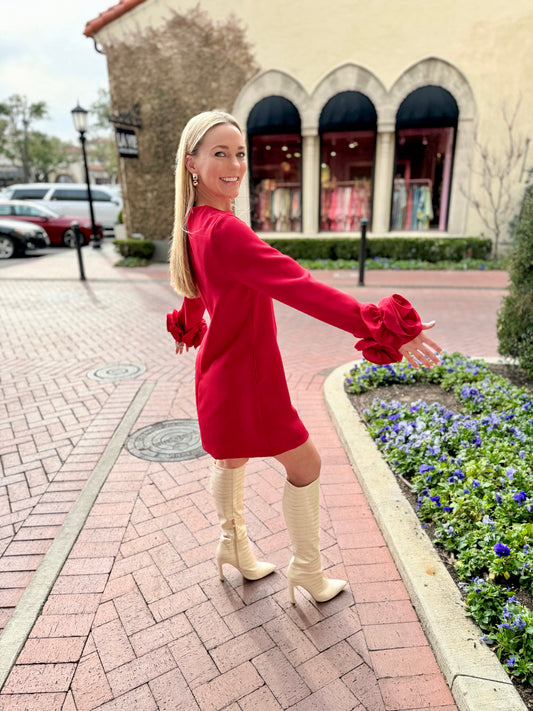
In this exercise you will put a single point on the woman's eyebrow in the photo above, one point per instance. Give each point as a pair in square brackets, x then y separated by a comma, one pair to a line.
[240, 148]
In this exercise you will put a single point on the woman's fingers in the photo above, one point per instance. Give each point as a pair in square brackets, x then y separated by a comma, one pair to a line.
[422, 350]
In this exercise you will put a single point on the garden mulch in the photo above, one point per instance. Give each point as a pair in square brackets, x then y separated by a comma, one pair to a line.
[136, 617]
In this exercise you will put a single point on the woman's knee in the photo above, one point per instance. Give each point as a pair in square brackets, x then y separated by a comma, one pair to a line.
[231, 463]
[301, 464]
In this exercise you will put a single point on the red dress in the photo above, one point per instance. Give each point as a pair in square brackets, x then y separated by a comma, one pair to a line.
[243, 403]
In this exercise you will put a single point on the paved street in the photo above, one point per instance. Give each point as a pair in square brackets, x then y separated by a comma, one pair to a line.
[109, 593]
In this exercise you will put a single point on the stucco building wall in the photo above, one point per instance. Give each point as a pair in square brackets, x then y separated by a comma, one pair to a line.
[307, 51]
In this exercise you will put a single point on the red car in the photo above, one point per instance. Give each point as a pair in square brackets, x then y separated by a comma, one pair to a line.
[58, 227]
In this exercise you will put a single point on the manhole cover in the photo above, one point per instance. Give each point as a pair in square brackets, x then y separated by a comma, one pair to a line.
[170, 441]
[116, 371]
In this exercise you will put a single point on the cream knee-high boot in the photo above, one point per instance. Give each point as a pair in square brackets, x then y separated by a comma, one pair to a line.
[300, 508]
[227, 487]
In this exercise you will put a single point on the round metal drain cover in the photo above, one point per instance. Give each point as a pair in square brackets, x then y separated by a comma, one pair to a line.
[116, 371]
[170, 441]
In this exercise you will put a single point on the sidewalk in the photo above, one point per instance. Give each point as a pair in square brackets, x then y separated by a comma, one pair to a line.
[107, 559]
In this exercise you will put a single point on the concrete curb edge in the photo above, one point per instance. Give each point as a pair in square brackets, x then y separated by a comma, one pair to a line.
[472, 671]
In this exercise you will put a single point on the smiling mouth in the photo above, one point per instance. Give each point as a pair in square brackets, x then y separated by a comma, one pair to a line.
[230, 180]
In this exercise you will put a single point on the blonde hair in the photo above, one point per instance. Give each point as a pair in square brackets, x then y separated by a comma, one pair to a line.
[181, 273]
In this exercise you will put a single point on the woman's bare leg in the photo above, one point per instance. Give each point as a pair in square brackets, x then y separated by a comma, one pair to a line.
[302, 464]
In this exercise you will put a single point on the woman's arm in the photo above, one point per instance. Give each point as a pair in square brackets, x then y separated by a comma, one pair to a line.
[382, 329]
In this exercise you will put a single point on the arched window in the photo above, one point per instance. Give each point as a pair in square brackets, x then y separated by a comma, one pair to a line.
[275, 149]
[426, 124]
[348, 138]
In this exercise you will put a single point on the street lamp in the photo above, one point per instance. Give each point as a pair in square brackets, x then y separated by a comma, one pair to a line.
[79, 116]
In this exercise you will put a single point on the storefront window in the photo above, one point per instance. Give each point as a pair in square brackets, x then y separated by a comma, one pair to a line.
[347, 159]
[275, 152]
[348, 137]
[425, 135]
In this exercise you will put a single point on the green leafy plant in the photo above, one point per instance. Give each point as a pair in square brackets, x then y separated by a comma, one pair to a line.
[470, 472]
[381, 263]
[135, 248]
[515, 320]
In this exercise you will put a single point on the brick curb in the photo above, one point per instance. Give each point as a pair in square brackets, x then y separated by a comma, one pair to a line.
[453, 637]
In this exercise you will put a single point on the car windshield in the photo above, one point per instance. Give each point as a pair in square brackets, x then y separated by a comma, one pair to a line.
[43, 210]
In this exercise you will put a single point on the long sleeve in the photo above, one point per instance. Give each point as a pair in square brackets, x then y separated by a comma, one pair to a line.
[382, 329]
[187, 325]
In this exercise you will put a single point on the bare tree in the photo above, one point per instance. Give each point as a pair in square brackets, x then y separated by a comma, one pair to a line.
[498, 198]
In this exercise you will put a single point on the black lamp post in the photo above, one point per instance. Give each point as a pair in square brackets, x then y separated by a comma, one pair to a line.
[79, 116]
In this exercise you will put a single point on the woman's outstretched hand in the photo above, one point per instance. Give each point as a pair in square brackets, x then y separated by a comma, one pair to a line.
[422, 350]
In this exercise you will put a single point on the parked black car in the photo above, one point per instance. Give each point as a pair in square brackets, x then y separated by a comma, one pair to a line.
[17, 236]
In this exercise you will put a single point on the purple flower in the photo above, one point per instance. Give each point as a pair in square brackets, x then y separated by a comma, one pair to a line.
[520, 497]
[426, 468]
[502, 550]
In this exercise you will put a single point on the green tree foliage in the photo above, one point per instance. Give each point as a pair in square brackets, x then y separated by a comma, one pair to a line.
[18, 117]
[47, 153]
[100, 141]
[515, 320]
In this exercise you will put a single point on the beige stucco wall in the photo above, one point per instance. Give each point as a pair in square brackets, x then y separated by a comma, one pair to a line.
[486, 41]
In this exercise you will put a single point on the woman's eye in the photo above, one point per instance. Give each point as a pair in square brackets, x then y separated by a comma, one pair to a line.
[220, 154]
[241, 154]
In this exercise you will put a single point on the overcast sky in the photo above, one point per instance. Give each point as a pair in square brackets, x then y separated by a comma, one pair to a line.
[45, 56]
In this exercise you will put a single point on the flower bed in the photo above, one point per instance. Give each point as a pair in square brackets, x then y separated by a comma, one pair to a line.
[470, 470]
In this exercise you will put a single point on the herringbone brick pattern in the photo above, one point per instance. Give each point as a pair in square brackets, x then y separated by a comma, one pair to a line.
[138, 618]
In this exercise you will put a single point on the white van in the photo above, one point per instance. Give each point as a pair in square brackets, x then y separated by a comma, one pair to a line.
[71, 199]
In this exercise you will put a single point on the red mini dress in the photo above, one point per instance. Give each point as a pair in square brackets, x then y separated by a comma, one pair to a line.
[243, 403]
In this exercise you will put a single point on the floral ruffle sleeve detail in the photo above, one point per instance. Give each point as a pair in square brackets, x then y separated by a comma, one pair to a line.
[176, 326]
[392, 323]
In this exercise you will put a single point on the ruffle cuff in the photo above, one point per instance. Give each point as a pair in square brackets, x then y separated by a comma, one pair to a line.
[392, 323]
[176, 327]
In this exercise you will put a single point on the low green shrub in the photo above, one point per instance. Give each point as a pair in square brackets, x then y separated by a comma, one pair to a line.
[139, 248]
[429, 249]
[515, 320]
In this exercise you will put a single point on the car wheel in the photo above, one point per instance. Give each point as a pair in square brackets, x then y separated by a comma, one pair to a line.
[69, 239]
[7, 247]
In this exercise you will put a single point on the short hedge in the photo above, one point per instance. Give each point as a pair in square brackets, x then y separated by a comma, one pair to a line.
[429, 249]
[139, 248]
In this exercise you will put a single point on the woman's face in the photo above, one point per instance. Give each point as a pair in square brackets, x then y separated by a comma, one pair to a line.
[220, 164]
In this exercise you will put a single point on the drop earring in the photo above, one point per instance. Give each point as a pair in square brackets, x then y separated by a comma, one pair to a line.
[195, 179]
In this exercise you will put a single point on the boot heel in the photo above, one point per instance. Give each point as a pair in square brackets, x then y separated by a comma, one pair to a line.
[291, 593]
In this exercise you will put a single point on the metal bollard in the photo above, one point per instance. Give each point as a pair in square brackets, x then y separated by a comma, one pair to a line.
[79, 239]
[362, 252]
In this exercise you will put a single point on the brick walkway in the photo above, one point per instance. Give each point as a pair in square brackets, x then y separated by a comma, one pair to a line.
[137, 617]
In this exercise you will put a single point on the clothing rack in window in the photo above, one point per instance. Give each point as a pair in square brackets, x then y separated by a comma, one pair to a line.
[277, 206]
[343, 204]
[412, 204]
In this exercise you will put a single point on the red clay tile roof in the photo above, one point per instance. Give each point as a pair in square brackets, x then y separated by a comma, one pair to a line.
[104, 18]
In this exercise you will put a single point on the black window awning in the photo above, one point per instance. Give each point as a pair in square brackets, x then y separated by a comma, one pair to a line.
[428, 107]
[272, 115]
[347, 111]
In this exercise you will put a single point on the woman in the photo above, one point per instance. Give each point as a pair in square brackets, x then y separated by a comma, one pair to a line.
[244, 410]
